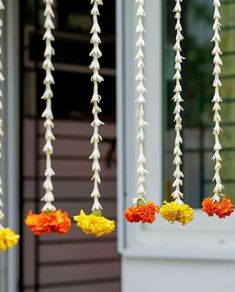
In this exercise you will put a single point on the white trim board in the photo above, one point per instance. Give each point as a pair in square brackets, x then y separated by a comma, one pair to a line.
[217, 237]
[11, 142]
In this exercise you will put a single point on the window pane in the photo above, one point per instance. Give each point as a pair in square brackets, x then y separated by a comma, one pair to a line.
[197, 21]
[73, 88]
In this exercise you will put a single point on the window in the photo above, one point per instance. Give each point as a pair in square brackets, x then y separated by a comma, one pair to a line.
[72, 46]
[162, 239]
[197, 93]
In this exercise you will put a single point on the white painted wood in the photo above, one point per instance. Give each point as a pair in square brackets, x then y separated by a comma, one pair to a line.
[182, 275]
[161, 257]
[120, 85]
[2, 257]
[127, 111]
[11, 142]
[154, 130]
[2, 273]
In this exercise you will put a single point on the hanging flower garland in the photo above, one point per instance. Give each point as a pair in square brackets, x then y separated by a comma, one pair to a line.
[8, 238]
[177, 210]
[95, 223]
[217, 204]
[141, 211]
[49, 220]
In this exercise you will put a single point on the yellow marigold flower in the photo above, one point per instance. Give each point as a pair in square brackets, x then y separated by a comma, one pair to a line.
[94, 224]
[186, 214]
[173, 212]
[8, 238]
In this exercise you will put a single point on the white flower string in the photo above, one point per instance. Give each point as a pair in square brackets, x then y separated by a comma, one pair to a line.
[177, 211]
[96, 79]
[218, 204]
[140, 210]
[95, 223]
[48, 198]
[178, 174]
[217, 100]
[141, 90]
[50, 219]
[1, 121]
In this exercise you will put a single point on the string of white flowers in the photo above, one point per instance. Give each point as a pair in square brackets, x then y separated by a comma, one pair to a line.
[48, 198]
[1, 121]
[217, 100]
[178, 174]
[96, 79]
[141, 90]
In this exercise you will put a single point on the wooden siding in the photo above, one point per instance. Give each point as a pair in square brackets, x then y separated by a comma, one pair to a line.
[72, 262]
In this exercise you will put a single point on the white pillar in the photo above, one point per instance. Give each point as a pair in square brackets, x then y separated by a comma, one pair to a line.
[11, 147]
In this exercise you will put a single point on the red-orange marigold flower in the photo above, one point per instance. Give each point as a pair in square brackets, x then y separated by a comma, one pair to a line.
[222, 208]
[48, 222]
[208, 206]
[143, 213]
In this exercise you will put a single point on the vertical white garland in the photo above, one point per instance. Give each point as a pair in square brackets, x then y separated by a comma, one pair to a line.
[48, 198]
[178, 174]
[96, 79]
[141, 90]
[217, 100]
[1, 121]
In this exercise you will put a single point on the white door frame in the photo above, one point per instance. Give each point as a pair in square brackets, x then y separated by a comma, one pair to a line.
[11, 141]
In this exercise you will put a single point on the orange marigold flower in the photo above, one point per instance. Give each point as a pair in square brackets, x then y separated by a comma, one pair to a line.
[145, 213]
[48, 222]
[208, 206]
[221, 208]
[224, 208]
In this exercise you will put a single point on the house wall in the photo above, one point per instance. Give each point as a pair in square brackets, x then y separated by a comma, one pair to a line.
[154, 275]
[75, 261]
[161, 257]
[100, 266]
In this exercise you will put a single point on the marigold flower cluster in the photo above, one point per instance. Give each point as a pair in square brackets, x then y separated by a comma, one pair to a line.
[220, 208]
[8, 238]
[94, 224]
[145, 213]
[173, 212]
[48, 222]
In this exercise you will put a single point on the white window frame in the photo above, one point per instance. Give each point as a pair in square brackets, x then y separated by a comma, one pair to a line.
[205, 238]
